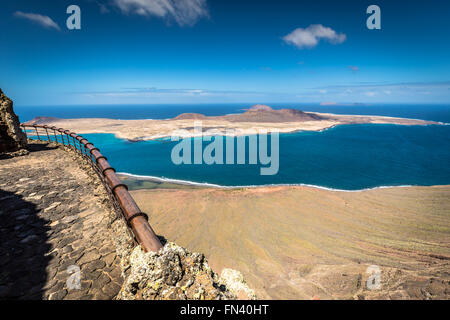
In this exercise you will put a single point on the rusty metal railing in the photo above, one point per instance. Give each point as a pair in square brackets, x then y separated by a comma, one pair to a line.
[118, 192]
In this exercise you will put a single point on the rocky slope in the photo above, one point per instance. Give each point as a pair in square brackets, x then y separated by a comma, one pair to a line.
[305, 243]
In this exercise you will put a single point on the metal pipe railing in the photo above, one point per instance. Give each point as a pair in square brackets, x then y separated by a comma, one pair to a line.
[117, 191]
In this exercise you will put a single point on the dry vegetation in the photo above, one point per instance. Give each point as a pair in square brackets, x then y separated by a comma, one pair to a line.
[303, 243]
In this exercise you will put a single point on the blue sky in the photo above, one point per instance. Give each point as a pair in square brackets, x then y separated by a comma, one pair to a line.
[217, 51]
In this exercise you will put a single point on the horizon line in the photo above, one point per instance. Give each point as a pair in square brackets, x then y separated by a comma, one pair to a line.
[337, 104]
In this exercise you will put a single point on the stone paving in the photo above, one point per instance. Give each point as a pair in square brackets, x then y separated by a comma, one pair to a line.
[52, 219]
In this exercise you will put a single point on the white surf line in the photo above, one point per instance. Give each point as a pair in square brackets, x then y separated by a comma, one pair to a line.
[206, 184]
[371, 115]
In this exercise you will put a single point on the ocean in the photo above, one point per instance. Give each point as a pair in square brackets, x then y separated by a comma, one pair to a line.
[348, 157]
[416, 111]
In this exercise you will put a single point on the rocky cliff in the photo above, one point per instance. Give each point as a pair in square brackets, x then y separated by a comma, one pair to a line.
[175, 273]
[12, 139]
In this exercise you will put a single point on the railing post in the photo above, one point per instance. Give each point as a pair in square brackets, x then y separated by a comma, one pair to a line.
[54, 133]
[60, 130]
[24, 131]
[48, 137]
[67, 132]
[37, 133]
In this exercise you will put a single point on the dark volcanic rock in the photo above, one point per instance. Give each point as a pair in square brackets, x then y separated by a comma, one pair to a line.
[12, 138]
[42, 120]
[262, 113]
[258, 113]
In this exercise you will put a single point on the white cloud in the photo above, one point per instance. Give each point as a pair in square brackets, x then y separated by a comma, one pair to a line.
[152, 91]
[310, 37]
[401, 91]
[44, 21]
[354, 68]
[184, 12]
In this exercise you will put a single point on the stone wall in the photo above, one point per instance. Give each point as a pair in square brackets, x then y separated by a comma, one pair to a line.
[12, 138]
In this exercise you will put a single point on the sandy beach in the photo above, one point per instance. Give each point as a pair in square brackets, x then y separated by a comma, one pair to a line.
[309, 243]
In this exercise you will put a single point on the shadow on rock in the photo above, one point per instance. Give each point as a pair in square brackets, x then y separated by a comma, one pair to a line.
[23, 249]
[37, 146]
[34, 146]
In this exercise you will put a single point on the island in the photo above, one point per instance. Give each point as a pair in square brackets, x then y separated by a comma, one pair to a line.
[257, 118]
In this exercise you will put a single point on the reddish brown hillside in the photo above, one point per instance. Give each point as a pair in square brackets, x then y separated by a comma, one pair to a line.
[188, 116]
[258, 113]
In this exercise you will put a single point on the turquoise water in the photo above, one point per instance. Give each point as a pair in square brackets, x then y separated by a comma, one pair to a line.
[349, 157]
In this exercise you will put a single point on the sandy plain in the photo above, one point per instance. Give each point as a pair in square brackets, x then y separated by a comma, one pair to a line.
[309, 243]
[137, 130]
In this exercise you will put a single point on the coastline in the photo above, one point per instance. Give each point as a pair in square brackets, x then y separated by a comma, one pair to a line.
[204, 185]
[144, 130]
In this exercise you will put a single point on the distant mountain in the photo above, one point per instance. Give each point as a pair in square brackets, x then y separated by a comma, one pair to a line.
[260, 107]
[42, 120]
[259, 113]
[189, 116]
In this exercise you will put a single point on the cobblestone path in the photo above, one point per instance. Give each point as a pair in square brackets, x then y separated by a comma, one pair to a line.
[51, 218]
